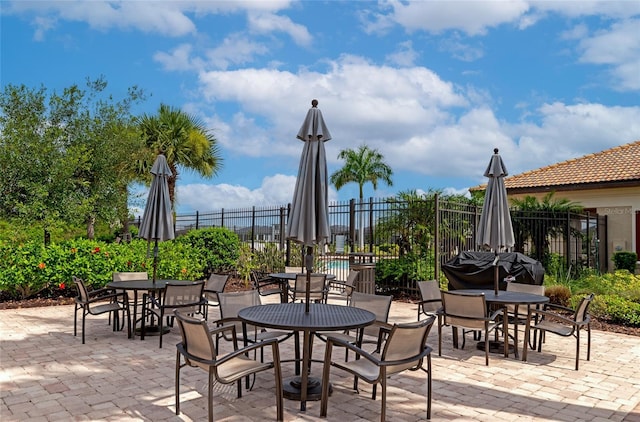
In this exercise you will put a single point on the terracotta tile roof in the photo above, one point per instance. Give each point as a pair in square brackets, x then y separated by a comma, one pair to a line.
[616, 166]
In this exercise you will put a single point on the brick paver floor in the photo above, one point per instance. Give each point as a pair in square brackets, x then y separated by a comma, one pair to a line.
[46, 374]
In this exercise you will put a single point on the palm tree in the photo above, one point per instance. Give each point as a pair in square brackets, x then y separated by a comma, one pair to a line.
[361, 166]
[547, 219]
[184, 140]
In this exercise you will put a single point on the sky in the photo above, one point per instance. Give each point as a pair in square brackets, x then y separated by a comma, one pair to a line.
[434, 86]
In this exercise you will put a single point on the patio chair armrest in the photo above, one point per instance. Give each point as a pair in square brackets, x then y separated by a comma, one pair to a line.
[104, 291]
[553, 315]
[424, 353]
[106, 294]
[350, 346]
[497, 313]
[557, 307]
[249, 348]
[385, 329]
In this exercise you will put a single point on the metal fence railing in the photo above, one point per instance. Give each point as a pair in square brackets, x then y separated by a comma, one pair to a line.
[432, 231]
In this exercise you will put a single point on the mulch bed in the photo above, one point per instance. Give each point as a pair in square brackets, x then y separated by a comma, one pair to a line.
[238, 285]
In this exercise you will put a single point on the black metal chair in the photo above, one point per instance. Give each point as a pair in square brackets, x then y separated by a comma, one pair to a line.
[430, 298]
[97, 302]
[563, 321]
[470, 313]
[186, 298]
[215, 284]
[199, 350]
[405, 348]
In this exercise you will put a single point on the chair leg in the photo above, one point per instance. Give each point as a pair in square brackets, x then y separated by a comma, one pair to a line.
[177, 387]
[84, 314]
[75, 320]
[210, 395]
[383, 405]
[588, 341]
[577, 347]
[429, 382]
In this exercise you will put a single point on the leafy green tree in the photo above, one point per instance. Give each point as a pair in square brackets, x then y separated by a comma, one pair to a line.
[362, 166]
[552, 222]
[60, 155]
[185, 141]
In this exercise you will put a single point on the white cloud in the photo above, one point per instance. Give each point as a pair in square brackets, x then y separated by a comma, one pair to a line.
[404, 56]
[268, 22]
[169, 18]
[471, 17]
[235, 49]
[178, 59]
[618, 47]
[274, 190]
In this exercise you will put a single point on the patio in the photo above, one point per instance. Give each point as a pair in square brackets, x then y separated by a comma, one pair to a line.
[46, 374]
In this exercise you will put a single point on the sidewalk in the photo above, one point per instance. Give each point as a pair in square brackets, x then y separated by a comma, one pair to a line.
[46, 374]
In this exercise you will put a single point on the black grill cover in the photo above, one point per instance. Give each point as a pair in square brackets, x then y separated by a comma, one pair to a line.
[474, 270]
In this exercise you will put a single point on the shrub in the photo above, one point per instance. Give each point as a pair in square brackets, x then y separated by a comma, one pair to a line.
[558, 294]
[625, 261]
[219, 246]
[407, 267]
[269, 258]
[31, 268]
[616, 309]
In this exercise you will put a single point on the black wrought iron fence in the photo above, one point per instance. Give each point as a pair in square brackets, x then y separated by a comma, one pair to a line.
[409, 240]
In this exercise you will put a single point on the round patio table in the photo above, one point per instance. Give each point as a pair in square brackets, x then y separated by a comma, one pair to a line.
[292, 316]
[141, 285]
[508, 298]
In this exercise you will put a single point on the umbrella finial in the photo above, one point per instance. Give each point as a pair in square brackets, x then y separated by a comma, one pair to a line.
[314, 103]
[495, 150]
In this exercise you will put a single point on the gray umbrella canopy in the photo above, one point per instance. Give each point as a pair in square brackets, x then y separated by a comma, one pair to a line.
[495, 230]
[309, 216]
[157, 220]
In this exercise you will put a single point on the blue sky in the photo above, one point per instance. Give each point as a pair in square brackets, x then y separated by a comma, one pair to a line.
[433, 85]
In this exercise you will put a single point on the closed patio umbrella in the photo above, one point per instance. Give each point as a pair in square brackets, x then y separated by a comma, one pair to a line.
[309, 217]
[495, 230]
[157, 220]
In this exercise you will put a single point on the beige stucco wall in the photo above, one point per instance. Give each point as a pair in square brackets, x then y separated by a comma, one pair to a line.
[618, 204]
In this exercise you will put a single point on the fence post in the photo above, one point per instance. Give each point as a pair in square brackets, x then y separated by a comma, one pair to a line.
[253, 227]
[352, 223]
[222, 217]
[566, 241]
[197, 220]
[370, 224]
[282, 228]
[437, 237]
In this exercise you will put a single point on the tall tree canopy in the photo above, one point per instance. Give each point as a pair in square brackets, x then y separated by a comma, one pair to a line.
[65, 156]
[361, 166]
[185, 141]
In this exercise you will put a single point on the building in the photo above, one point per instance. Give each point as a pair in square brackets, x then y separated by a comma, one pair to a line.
[606, 183]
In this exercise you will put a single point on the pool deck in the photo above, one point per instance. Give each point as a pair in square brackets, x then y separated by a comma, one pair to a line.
[46, 374]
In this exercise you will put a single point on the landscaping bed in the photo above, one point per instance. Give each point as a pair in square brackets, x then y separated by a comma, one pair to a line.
[237, 285]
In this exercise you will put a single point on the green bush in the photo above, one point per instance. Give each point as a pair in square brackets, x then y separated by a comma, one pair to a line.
[268, 258]
[407, 267]
[616, 309]
[219, 246]
[625, 261]
[30, 268]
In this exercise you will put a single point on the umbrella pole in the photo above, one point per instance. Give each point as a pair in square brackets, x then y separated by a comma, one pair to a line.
[155, 261]
[495, 273]
[308, 262]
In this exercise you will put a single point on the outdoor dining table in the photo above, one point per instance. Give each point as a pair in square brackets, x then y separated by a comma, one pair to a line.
[509, 298]
[285, 278]
[292, 316]
[153, 287]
